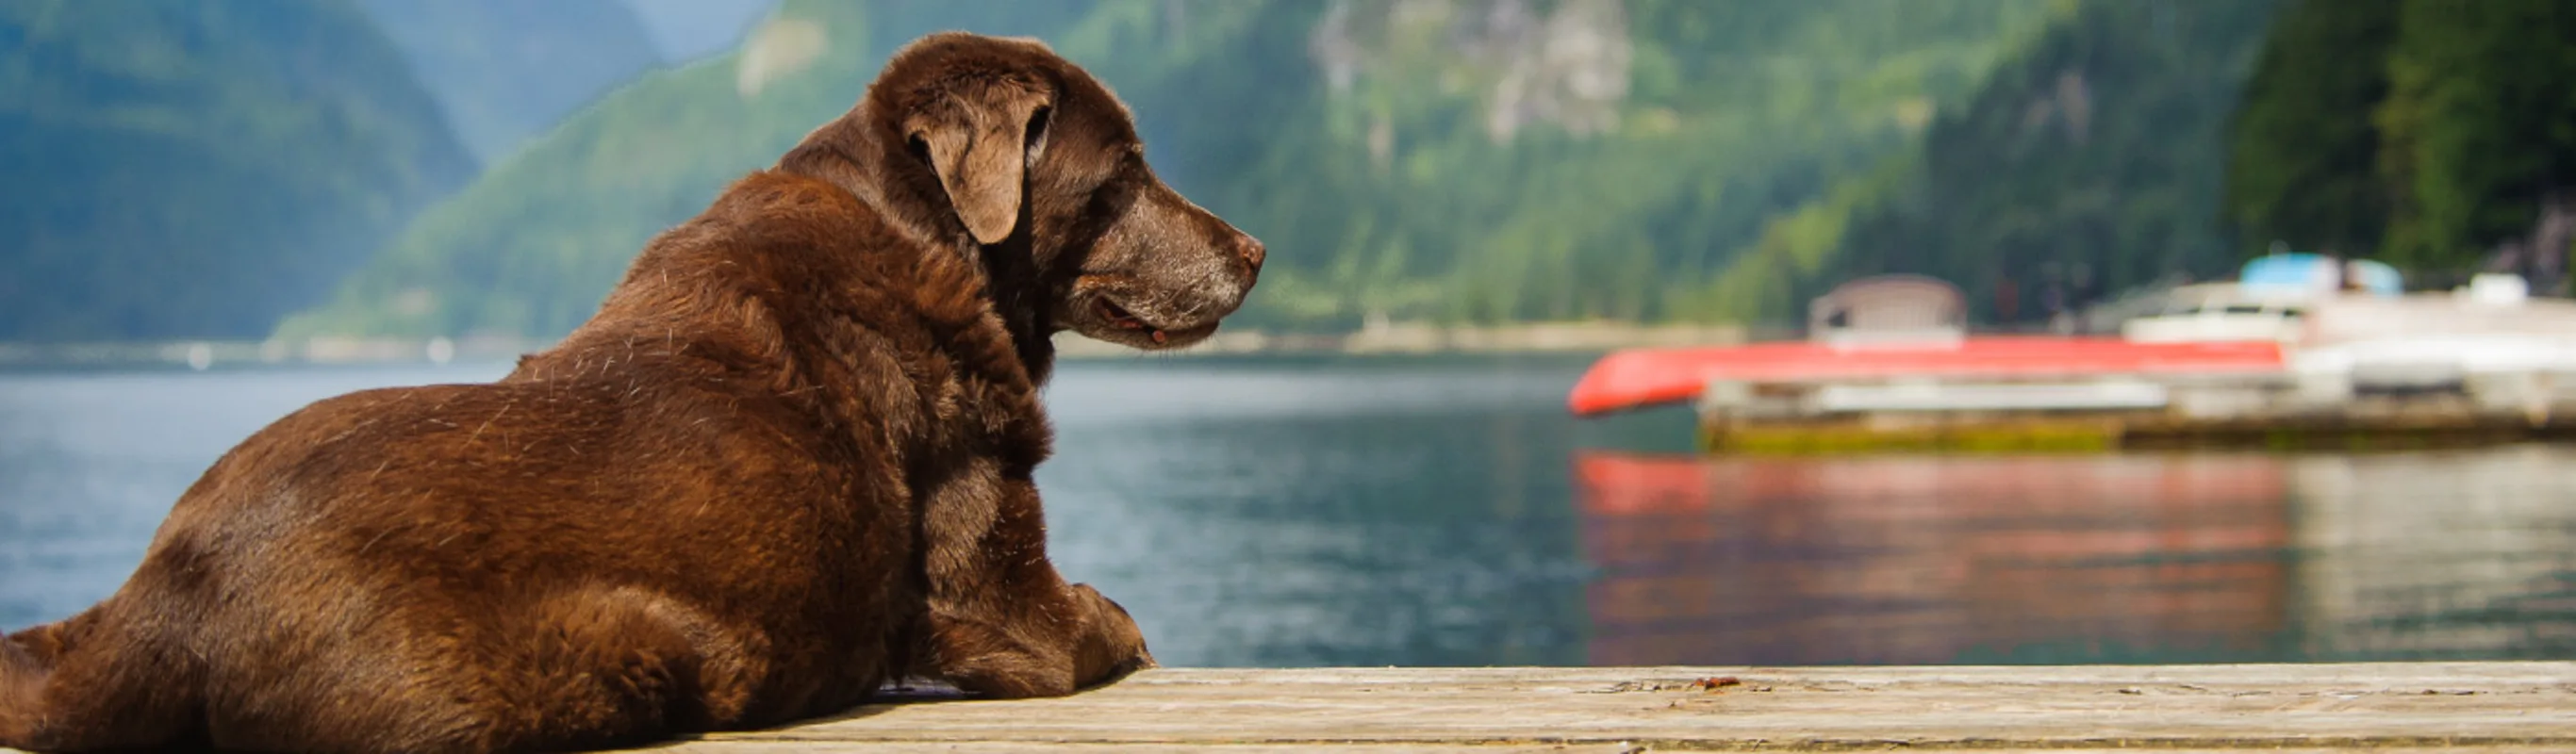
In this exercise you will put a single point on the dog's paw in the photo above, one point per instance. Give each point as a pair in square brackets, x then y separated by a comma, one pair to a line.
[1142, 661]
[1113, 646]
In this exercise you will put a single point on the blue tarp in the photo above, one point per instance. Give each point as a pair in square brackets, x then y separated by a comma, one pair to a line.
[2316, 272]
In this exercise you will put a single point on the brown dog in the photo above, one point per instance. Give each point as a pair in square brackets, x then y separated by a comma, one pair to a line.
[787, 461]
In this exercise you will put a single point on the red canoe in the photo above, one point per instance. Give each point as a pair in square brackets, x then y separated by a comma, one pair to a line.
[1641, 377]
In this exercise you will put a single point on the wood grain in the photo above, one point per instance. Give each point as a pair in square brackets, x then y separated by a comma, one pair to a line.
[2488, 706]
[2491, 707]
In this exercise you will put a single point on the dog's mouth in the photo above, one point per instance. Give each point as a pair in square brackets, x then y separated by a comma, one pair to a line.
[1118, 317]
[1122, 323]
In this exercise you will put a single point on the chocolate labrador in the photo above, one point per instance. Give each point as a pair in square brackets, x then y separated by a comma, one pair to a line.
[787, 461]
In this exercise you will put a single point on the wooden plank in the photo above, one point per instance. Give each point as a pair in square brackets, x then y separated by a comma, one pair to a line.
[774, 747]
[2501, 706]
[2396, 707]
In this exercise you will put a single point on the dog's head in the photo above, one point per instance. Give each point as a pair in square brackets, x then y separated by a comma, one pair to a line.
[1013, 143]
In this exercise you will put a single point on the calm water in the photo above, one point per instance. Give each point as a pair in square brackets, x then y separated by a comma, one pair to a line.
[1446, 512]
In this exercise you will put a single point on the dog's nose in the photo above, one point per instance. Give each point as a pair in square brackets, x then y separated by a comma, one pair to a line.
[1250, 249]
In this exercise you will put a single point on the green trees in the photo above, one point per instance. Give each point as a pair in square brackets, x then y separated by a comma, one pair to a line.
[2088, 163]
[2436, 134]
[2480, 130]
[2303, 147]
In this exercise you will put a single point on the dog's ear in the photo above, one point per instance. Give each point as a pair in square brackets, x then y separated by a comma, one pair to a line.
[982, 151]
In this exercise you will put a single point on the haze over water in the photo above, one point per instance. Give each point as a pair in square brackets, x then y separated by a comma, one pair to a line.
[1385, 511]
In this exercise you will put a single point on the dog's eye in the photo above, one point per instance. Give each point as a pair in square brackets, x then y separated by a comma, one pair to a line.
[1037, 127]
[919, 147]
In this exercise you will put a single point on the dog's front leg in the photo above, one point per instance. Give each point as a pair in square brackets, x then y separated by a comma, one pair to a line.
[1003, 623]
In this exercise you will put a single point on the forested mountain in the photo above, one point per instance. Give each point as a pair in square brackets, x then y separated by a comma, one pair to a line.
[1487, 160]
[2435, 134]
[1488, 166]
[506, 70]
[531, 246]
[2091, 163]
[197, 169]
[178, 168]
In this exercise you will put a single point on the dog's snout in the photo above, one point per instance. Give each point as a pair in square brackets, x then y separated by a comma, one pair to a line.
[1249, 249]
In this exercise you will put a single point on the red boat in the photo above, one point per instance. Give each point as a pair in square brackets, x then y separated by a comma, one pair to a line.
[1908, 327]
[1642, 377]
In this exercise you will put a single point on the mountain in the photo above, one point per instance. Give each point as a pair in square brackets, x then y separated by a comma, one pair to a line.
[1458, 160]
[506, 70]
[2090, 163]
[176, 168]
[531, 246]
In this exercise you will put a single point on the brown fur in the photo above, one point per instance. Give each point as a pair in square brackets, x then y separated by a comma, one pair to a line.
[788, 460]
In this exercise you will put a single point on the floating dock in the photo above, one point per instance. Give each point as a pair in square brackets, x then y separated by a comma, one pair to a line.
[2072, 393]
[2484, 707]
[1890, 365]
[2391, 425]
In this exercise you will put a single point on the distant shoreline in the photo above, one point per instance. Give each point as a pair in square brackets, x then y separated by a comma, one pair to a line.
[1382, 339]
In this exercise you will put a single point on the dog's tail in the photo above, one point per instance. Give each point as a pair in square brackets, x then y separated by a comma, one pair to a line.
[26, 661]
[134, 703]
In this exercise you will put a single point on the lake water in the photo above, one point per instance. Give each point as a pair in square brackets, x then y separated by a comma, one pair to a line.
[1305, 512]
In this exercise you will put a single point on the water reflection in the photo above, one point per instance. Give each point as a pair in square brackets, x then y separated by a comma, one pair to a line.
[2057, 559]
[2438, 555]
[1393, 512]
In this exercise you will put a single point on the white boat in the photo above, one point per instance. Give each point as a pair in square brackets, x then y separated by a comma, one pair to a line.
[2488, 337]
[2218, 312]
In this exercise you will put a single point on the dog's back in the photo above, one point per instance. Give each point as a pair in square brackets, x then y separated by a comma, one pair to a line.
[614, 543]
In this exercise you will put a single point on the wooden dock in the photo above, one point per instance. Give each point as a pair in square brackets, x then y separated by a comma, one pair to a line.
[2488, 707]
[2496, 707]
[2024, 433]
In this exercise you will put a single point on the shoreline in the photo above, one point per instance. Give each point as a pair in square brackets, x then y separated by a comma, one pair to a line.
[1392, 339]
